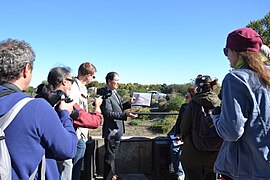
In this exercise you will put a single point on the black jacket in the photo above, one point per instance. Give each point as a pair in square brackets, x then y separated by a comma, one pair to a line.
[113, 117]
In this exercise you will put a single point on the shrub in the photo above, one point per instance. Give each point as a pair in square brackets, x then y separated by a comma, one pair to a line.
[173, 104]
[134, 122]
[145, 116]
[165, 125]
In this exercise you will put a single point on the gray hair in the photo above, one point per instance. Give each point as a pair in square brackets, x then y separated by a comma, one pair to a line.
[14, 56]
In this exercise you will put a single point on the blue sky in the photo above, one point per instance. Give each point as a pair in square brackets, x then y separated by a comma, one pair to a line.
[145, 41]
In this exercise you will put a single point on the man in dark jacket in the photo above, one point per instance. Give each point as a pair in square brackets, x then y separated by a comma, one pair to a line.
[113, 126]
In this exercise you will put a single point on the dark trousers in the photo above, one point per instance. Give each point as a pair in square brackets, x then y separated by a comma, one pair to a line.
[111, 147]
[226, 177]
[199, 173]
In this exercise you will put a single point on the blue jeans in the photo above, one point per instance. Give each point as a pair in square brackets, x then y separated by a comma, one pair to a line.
[78, 159]
[175, 153]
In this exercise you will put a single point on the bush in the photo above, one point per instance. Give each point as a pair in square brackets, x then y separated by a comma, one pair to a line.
[165, 125]
[134, 122]
[173, 104]
[144, 117]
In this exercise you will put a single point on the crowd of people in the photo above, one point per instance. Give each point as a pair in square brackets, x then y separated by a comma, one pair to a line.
[55, 124]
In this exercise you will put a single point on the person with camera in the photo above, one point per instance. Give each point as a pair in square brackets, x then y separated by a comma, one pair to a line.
[30, 135]
[86, 73]
[59, 85]
[113, 126]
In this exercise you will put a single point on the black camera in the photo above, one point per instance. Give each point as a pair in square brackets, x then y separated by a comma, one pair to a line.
[54, 98]
[104, 92]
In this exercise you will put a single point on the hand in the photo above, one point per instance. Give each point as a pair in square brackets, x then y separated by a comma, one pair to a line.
[66, 106]
[130, 114]
[98, 101]
[131, 100]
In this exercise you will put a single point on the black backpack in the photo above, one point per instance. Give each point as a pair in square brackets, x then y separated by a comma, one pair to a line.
[204, 135]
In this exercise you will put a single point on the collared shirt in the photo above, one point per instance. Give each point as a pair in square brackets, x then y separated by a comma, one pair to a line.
[79, 94]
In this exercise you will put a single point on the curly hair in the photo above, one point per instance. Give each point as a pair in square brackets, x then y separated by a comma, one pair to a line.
[204, 83]
[254, 61]
[14, 56]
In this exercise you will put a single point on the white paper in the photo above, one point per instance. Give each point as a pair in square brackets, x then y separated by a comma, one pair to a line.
[142, 99]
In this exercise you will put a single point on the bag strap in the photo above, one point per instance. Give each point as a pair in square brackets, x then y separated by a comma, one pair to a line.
[43, 169]
[7, 119]
[10, 115]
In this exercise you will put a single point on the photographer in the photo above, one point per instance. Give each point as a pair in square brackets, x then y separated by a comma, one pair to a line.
[30, 135]
[59, 85]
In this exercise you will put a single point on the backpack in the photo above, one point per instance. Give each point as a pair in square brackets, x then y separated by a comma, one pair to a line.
[5, 162]
[204, 134]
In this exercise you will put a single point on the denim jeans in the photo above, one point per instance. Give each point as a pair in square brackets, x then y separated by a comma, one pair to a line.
[78, 159]
[65, 169]
[175, 154]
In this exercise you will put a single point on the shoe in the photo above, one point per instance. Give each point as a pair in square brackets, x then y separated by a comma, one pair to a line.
[180, 177]
[115, 177]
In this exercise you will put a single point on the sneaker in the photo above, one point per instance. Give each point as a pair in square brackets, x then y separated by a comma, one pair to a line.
[115, 177]
[180, 177]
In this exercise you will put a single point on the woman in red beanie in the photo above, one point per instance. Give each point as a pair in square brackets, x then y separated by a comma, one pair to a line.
[244, 120]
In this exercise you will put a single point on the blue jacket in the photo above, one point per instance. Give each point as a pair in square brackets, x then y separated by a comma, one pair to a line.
[35, 130]
[244, 125]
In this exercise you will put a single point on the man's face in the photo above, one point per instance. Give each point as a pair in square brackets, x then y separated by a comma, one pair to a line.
[90, 77]
[114, 84]
[67, 83]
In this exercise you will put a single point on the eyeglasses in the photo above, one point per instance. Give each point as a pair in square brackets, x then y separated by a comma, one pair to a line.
[92, 76]
[225, 51]
[71, 80]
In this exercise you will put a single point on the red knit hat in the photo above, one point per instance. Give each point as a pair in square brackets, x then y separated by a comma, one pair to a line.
[244, 39]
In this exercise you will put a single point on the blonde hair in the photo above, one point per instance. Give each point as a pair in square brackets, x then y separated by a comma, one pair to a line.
[255, 62]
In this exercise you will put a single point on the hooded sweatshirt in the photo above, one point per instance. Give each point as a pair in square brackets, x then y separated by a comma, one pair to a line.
[190, 156]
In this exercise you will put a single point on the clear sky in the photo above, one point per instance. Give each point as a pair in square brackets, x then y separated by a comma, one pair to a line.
[145, 41]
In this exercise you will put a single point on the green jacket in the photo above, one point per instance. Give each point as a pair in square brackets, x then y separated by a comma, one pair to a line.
[190, 156]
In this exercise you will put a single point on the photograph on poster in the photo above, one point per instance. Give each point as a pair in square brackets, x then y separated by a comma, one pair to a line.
[142, 99]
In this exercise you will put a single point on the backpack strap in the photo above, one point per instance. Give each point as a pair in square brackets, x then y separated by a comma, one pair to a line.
[10, 115]
[43, 169]
[7, 119]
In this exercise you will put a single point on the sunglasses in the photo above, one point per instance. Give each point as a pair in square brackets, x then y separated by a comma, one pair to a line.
[92, 76]
[71, 80]
[225, 51]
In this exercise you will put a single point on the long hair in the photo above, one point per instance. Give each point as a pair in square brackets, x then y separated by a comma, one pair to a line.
[254, 61]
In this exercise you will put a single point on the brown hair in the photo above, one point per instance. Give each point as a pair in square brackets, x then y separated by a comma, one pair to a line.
[254, 61]
[86, 68]
[191, 91]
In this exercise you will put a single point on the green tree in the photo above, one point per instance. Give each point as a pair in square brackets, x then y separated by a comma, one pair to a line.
[262, 27]
[30, 91]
